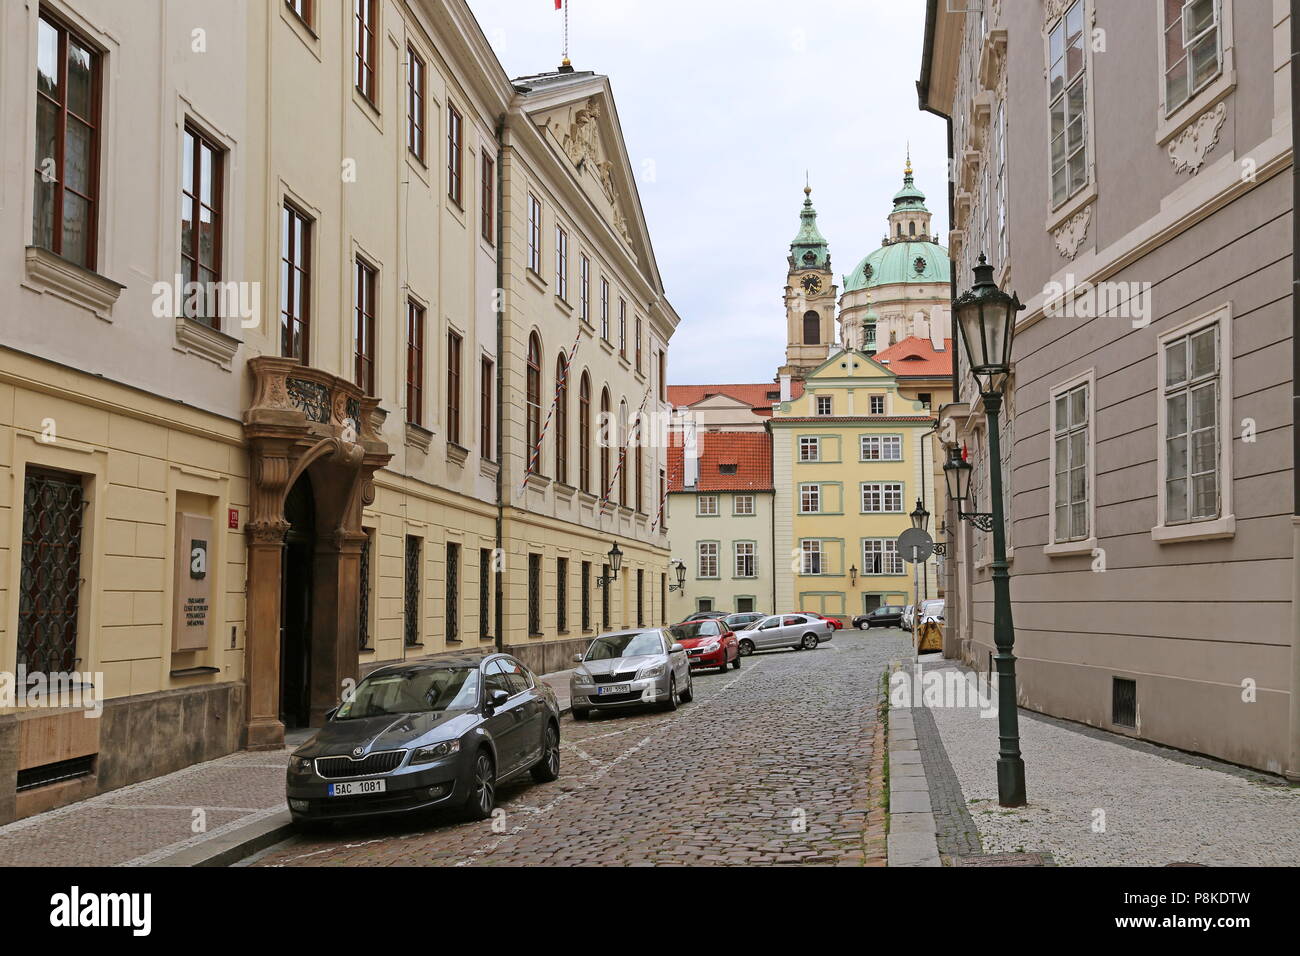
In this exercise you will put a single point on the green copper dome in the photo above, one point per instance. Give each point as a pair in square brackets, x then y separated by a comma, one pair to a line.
[809, 250]
[907, 261]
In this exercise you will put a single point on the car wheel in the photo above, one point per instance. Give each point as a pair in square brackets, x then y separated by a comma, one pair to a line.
[548, 768]
[746, 648]
[483, 792]
[809, 641]
[736, 662]
[864, 626]
[671, 702]
[688, 694]
[579, 713]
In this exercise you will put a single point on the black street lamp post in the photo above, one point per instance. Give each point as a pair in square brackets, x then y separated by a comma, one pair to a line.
[615, 562]
[679, 569]
[987, 318]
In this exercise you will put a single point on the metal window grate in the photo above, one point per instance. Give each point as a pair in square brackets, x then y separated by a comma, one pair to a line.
[49, 773]
[50, 582]
[363, 602]
[412, 593]
[561, 594]
[586, 595]
[640, 598]
[484, 591]
[604, 598]
[453, 593]
[534, 594]
[1123, 707]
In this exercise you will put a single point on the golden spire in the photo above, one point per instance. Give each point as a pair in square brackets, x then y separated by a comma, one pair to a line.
[907, 170]
[807, 185]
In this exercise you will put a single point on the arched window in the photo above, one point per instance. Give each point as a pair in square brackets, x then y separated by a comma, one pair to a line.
[812, 328]
[899, 226]
[622, 445]
[534, 409]
[911, 228]
[604, 439]
[561, 420]
[584, 433]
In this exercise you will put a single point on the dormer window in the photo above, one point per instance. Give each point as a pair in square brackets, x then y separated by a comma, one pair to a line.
[727, 469]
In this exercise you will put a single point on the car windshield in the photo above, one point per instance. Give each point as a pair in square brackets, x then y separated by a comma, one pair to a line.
[693, 629]
[417, 690]
[625, 645]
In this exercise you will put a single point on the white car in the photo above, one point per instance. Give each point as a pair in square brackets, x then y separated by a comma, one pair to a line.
[932, 609]
[799, 631]
[906, 622]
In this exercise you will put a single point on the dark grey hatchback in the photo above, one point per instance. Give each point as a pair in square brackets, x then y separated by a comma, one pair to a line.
[427, 735]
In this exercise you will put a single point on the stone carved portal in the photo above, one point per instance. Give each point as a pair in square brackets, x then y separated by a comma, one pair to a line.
[306, 422]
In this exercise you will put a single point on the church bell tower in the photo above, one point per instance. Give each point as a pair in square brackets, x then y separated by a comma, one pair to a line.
[809, 297]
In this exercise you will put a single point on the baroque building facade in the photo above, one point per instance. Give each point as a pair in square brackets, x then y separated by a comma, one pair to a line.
[1126, 167]
[290, 388]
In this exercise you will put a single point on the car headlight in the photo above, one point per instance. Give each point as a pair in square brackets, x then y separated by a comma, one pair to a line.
[301, 764]
[710, 648]
[654, 670]
[435, 751]
[582, 677]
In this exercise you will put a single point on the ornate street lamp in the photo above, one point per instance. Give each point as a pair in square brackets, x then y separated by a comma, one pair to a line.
[615, 562]
[920, 517]
[679, 569]
[987, 318]
[956, 472]
[941, 547]
[853, 575]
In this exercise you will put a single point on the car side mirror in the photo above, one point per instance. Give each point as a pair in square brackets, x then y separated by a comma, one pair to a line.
[677, 649]
[495, 699]
[577, 658]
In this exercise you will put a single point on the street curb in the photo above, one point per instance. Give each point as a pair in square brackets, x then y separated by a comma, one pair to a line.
[237, 845]
[912, 839]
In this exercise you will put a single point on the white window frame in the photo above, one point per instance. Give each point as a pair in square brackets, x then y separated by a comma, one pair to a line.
[891, 562]
[534, 235]
[1084, 77]
[737, 510]
[700, 507]
[873, 401]
[1086, 544]
[1225, 524]
[817, 405]
[808, 441]
[752, 556]
[561, 262]
[1000, 159]
[1170, 121]
[706, 550]
[1059, 213]
[883, 443]
[880, 490]
[810, 491]
[808, 549]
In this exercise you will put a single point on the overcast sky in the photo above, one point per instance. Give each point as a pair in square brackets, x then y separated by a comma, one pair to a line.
[724, 104]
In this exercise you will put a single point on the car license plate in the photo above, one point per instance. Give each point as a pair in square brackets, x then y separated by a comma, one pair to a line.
[356, 788]
[613, 689]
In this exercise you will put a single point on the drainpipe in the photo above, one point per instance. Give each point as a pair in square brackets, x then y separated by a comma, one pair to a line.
[1293, 761]
[497, 589]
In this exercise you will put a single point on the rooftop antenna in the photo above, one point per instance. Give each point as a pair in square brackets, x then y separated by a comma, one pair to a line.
[565, 65]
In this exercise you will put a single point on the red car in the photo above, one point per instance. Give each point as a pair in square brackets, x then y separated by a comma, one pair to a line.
[708, 643]
[835, 622]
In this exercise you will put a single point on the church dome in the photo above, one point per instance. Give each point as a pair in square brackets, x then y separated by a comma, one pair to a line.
[906, 261]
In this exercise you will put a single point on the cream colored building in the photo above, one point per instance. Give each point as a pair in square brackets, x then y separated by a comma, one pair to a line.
[231, 506]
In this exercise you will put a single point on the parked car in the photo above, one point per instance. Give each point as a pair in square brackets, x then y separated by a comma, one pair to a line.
[629, 669]
[933, 608]
[799, 631]
[706, 616]
[426, 735]
[834, 622]
[906, 622]
[707, 643]
[887, 615]
[742, 618]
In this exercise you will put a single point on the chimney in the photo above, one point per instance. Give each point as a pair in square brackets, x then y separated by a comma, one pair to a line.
[785, 388]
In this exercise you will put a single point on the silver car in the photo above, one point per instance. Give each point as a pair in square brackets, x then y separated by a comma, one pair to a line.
[800, 631]
[630, 669]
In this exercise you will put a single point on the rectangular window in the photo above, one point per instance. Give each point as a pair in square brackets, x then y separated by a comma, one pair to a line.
[453, 592]
[746, 560]
[485, 410]
[484, 593]
[301, 8]
[706, 505]
[1070, 424]
[453, 387]
[411, 596]
[877, 404]
[1193, 49]
[562, 595]
[880, 556]
[534, 234]
[584, 288]
[365, 47]
[561, 263]
[810, 449]
[1000, 157]
[604, 597]
[708, 559]
[824, 405]
[363, 327]
[295, 284]
[534, 594]
[414, 103]
[65, 210]
[663, 376]
[586, 595]
[882, 447]
[1191, 396]
[810, 499]
[743, 505]
[810, 550]
[640, 597]
[414, 363]
[604, 308]
[622, 327]
[363, 599]
[487, 202]
[882, 496]
[455, 154]
[201, 222]
[49, 601]
[638, 344]
[1067, 102]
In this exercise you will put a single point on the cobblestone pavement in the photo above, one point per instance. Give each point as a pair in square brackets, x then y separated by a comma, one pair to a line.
[956, 833]
[788, 739]
[1098, 799]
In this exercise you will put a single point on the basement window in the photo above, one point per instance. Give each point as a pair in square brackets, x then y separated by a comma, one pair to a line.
[57, 772]
[1123, 706]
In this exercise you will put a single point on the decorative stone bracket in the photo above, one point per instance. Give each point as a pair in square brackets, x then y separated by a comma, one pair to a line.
[1070, 234]
[1187, 150]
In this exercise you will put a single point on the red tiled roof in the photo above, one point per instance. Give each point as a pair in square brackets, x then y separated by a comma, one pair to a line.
[753, 395]
[917, 356]
[750, 452]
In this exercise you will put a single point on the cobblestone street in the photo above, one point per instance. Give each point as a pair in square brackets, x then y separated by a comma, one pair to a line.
[777, 762]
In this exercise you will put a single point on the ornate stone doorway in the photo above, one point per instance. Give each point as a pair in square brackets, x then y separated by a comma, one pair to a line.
[304, 425]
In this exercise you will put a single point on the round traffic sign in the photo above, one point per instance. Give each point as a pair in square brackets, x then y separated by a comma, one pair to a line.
[914, 545]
